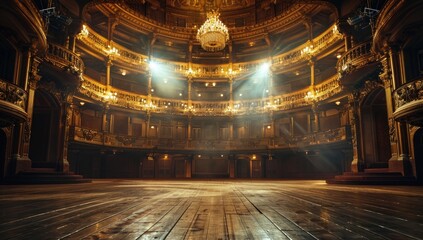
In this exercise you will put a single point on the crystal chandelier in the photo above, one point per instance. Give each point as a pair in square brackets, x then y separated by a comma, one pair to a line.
[213, 34]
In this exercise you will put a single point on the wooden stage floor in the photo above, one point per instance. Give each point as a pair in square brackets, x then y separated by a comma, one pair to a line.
[210, 209]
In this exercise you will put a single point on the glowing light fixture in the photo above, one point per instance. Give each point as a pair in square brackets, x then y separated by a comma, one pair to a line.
[84, 32]
[213, 34]
[111, 51]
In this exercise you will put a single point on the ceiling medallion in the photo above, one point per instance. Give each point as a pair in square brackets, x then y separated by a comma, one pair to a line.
[213, 34]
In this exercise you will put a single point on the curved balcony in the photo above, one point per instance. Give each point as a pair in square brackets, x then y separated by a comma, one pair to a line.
[124, 99]
[13, 100]
[357, 63]
[60, 60]
[64, 58]
[95, 137]
[306, 50]
[24, 19]
[408, 101]
[139, 62]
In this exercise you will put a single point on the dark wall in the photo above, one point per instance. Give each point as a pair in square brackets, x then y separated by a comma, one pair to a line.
[317, 163]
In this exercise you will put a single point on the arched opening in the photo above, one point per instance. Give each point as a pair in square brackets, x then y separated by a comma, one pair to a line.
[3, 144]
[375, 130]
[44, 131]
[418, 154]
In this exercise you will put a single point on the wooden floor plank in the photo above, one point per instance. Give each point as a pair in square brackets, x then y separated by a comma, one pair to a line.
[210, 209]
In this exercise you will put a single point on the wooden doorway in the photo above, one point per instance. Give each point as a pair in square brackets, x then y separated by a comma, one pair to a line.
[243, 168]
[43, 149]
[256, 169]
[375, 130]
[180, 167]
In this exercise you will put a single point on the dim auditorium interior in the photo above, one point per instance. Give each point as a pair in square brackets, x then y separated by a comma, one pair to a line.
[211, 119]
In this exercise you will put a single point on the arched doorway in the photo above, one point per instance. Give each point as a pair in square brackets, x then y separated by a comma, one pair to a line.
[44, 142]
[375, 130]
[418, 154]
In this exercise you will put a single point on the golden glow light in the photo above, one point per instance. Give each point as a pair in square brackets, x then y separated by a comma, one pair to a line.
[213, 34]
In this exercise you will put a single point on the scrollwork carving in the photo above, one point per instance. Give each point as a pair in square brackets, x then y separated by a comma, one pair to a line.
[88, 134]
[27, 131]
[408, 93]
[13, 94]
[392, 130]
[125, 140]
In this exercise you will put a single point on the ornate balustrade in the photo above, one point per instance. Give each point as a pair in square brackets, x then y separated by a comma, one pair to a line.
[308, 49]
[115, 51]
[324, 137]
[355, 58]
[13, 94]
[64, 58]
[408, 93]
[90, 136]
[120, 53]
[125, 99]
[408, 100]
[328, 88]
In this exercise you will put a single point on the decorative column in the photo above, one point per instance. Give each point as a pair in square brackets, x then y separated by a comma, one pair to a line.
[22, 132]
[231, 96]
[105, 124]
[109, 64]
[357, 165]
[230, 78]
[272, 129]
[65, 122]
[393, 77]
[316, 120]
[148, 125]
[189, 129]
[190, 92]
[190, 76]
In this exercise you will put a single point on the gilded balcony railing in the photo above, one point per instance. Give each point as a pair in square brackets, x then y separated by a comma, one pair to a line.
[13, 94]
[125, 99]
[408, 93]
[322, 137]
[64, 58]
[96, 137]
[355, 57]
[94, 40]
[308, 49]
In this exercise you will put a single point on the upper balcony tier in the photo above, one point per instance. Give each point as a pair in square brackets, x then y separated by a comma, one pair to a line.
[357, 64]
[96, 91]
[168, 28]
[100, 47]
